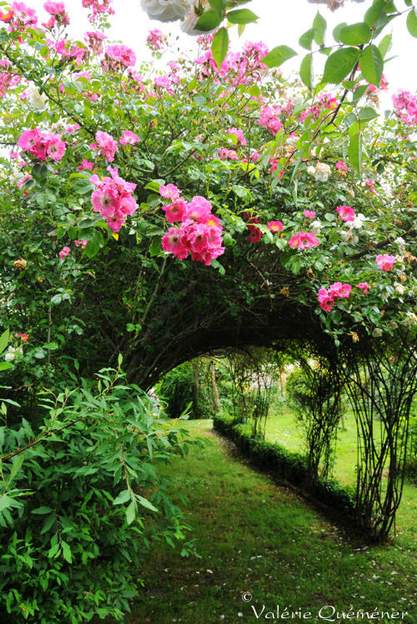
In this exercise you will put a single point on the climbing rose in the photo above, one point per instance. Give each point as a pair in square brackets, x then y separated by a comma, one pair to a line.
[156, 39]
[169, 191]
[275, 226]
[56, 9]
[327, 296]
[405, 104]
[65, 251]
[23, 336]
[364, 287]
[81, 243]
[309, 214]
[113, 199]
[42, 145]
[303, 240]
[269, 119]
[227, 154]
[121, 54]
[342, 167]
[255, 234]
[107, 145]
[385, 262]
[129, 138]
[198, 209]
[238, 134]
[200, 232]
[346, 213]
[175, 211]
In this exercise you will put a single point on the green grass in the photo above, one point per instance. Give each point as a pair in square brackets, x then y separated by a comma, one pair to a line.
[253, 536]
[282, 427]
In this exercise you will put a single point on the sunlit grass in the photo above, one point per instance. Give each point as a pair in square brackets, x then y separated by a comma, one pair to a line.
[255, 536]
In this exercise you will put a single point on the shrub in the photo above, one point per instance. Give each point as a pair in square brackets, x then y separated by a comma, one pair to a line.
[288, 466]
[86, 495]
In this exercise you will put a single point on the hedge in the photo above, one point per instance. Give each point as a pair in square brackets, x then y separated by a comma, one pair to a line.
[288, 466]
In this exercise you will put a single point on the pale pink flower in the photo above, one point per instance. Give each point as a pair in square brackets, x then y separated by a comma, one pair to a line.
[364, 287]
[309, 214]
[385, 262]
[275, 226]
[303, 240]
[238, 134]
[129, 138]
[169, 191]
[120, 55]
[65, 251]
[107, 145]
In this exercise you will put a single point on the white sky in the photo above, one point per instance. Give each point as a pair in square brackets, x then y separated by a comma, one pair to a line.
[281, 25]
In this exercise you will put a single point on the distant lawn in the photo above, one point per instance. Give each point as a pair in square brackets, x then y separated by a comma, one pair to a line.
[256, 537]
[282, 427]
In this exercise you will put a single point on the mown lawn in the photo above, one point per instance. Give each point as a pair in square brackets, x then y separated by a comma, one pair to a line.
[282, 427]
[256, 537]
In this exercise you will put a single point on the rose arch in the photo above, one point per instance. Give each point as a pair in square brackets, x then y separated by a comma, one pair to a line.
[207, 202]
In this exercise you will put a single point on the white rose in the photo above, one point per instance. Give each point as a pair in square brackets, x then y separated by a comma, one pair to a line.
[311, 170]
[358, 221]
[323, 172]
[36, 100]
[399, 289]
[316, 225]
[166, 10]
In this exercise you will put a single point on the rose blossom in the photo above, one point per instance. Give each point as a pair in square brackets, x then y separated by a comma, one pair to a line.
[385, 262]
[346, 213]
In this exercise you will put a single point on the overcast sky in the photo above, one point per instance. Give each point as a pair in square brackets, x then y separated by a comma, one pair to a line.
[281, 25]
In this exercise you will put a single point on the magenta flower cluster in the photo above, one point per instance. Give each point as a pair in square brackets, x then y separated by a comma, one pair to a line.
[200, 231]
[42, 145]
[113, 199]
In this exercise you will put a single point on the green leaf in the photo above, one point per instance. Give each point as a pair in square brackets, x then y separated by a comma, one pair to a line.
[122, 497]
[385, 45]
[39, 172]
[145, 503]
[220, 46]
[131, 512]
[337, 30]
[306, 70]
[412, 23]
[355, 34]
[209, 20]
[242, 16]
[217, 5]
[371, 64]
[340, 64]
[319, 29]
[306, 39]
[355, 149]
[5, 366]
[367, 113]
[277, 56]
[4, 340]
[375, 11]
[39, 511]
[66, 551]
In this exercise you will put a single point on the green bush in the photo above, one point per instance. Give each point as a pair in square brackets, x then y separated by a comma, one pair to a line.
[79, 507]
[179, 395]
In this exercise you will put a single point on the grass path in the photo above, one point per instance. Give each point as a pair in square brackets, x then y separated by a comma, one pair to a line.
[253, 536]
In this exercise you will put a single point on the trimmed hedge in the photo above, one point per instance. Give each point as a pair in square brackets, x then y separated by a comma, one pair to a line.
[288, 466]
